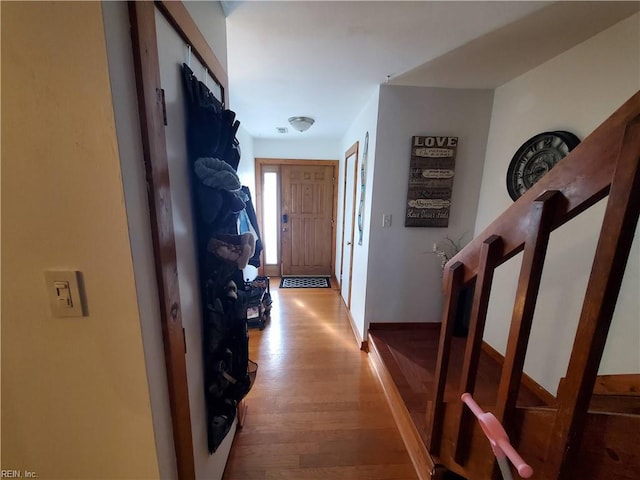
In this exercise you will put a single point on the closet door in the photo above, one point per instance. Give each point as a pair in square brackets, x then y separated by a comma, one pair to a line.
[348, 223]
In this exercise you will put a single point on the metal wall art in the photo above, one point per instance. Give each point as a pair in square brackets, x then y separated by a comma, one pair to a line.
[363, 181]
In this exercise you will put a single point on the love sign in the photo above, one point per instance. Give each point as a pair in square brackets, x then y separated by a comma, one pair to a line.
[431, 171]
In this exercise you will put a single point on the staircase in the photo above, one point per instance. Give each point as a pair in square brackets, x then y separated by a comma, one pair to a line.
[586, 434]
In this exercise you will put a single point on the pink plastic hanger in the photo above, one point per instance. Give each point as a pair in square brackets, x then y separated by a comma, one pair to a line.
[499, 441]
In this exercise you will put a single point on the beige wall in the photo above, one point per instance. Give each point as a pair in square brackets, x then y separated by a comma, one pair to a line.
[75, 401]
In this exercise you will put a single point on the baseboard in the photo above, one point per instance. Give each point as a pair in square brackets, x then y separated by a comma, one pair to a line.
[242, 412]
[363, 344]
[537, 389]
[422, 461]
[402, 325]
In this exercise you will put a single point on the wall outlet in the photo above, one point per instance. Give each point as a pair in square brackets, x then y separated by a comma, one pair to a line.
[386, 220]
[63, 288]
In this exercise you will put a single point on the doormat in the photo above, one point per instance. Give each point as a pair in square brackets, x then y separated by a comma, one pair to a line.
[305, 282]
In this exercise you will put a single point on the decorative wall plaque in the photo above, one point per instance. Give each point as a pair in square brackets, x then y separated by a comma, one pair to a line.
[363, 184]
[431, 171]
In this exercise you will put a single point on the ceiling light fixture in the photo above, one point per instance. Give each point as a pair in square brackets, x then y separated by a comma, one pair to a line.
[301, 123]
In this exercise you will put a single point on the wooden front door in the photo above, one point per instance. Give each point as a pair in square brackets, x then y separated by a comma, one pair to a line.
[307, 219]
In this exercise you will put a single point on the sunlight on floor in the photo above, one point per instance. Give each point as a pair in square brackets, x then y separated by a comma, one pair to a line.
[329, 326]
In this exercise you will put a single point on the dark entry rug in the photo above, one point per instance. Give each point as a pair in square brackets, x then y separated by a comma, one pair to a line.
[305, 282]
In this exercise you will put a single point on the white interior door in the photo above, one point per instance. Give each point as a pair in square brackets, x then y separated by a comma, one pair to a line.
[348, 222]
[171, 53]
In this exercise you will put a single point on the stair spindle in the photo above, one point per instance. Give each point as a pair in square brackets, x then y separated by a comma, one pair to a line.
[490, 254]
[542, 213]
[435, 414]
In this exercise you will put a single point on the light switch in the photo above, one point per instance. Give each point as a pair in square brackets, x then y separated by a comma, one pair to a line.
[63, 295]
[63, 288]
[386, 219]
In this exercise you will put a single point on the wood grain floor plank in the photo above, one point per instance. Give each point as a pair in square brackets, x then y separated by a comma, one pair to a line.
[316, 410]
[365, 434]
[365, 472]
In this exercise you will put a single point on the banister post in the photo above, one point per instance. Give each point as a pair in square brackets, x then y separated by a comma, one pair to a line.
[453, 281]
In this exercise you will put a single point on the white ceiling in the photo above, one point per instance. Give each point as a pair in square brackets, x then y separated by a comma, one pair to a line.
[324, 59]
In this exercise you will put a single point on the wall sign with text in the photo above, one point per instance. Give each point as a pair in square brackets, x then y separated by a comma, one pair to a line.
[431, 172]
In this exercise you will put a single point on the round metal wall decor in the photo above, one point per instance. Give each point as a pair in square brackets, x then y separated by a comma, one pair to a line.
[535, 158]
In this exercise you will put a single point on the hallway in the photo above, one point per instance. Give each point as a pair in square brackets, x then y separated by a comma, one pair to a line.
[316, 410]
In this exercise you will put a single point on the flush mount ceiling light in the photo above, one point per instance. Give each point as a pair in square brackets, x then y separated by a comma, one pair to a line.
[301, 123]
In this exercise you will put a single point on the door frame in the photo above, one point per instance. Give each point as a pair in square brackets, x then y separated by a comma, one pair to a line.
[154, 149]
[260, 164]
[353, 150]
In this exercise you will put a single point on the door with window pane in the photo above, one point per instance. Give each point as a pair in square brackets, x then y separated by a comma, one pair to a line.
[296, 209]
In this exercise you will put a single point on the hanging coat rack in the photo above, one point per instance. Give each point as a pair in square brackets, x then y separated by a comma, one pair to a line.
[205, 76]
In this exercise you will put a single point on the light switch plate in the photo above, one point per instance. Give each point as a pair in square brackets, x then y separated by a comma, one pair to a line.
[386, 220]
[63, 288]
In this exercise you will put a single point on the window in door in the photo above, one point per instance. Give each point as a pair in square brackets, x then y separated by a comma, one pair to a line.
[270, 219]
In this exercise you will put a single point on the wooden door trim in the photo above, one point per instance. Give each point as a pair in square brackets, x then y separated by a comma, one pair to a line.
[148, 86]
[257, 171]
[353, 150]
[261, 161]
[296, 161]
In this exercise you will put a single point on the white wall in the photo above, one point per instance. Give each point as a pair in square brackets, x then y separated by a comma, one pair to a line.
[312, 149]
[366, 121]
[75, 397]
[575, 91]
[247, 165]
[404, 279]
[210, 20]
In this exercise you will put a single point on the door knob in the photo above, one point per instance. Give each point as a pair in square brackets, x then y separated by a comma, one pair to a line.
[284, 229]
[348, 243]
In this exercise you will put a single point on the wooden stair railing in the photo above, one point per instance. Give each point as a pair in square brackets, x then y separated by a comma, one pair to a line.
[606, 162]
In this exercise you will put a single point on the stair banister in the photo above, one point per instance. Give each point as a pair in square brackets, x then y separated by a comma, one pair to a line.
[583, 177]
[612, 252]
[606, 160]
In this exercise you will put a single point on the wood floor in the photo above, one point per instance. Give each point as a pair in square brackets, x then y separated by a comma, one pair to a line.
[316, 410]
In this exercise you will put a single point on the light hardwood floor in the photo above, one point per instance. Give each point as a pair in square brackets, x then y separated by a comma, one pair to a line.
[316, 410]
